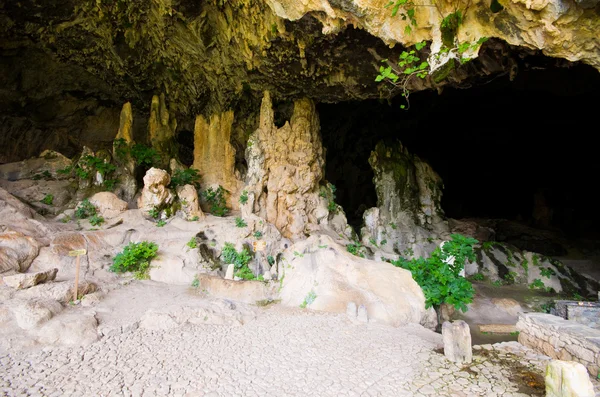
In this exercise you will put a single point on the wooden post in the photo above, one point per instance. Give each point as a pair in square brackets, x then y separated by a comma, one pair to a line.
[77, 253]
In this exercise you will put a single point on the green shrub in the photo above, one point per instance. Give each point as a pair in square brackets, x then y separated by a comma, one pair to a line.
[537, 283]
[186, 177]
[328, 192]
[356, 248]
[216, 199]
[441, 282]
[192, 243]
[547, 272]
[310, 298]
[136, 257]
[239, 259]
[160, 223]
[244, 197]
[98, 164]
[48, 199]
[144, 155]
[478, 277]
[96, 220]
[271, 260]
[239, 222]
[245, 273]
[85, 210]
[65, 171]
[154, 212]
[109, 184]
[258, 234]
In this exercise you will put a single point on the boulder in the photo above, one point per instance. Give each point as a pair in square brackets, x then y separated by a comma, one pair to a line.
[58, 291]
[27, 280]
[47, 164]
[108, 204]
[155, 193]
[70, 329]
[188, 196]
[568, 379]
[327, 277]
[17, 251]
[33, 312]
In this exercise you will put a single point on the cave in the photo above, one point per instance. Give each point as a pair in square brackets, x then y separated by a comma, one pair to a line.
[515, 147]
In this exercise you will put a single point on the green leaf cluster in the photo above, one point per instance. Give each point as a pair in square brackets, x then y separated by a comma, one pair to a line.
[244, 197]
[96, 220]
[48, 199]
[85, 209]
[328, 192]
[356, 248]
[135, 257]
[441, 281]
[239, 222]
[409, 15]
[216, 199]
[230, 255]
[144, 155]
[190, 176]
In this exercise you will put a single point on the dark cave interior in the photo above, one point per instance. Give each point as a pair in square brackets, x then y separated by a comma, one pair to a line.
[499, 147]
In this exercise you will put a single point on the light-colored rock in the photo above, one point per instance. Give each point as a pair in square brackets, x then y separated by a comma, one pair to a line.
[267, 275]
[217, 312]
[508, 305]
[70, 329]
[58, 291]
[567, 379]
[161, 129]
[155, 194]
[126, 185]
[214, 155]
[188, 196]
[27, 280]
[362, 314]
[108, 204]
[285, 168]
[337, 277]
[408, 214]
[48, 160]
[457, 341]
[34, 312]
[17, 251]
[92, 299]
[351, 310]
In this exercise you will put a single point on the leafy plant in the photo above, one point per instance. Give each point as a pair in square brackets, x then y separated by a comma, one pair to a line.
[547, 272]
[135, 257]
[245, 273]
[258, 234]
[48, 199]
[510, 277]
[239, 222]
[66, 219]
[244, 197]
[192, 243]
[81, 173]
[216, 199]
[96, 220]
[189, 176]
[537, 283]
[196, 282]
[441, 281]
[373, 242]
[161, 223]
[393, 225]
[154, 212]
[120, 148]
[104, 168]
[383, 242]
[478, 277]
[271, 260]
[309, 299]
[525, 265]
[144, 155]
[43, 175]
[65, 171]
[356, 248]
[328, 192]
[85, 210]
[195, 218]
[230, 255]
[536, 260]
[407, 15]
[497, 283]
[298, 254]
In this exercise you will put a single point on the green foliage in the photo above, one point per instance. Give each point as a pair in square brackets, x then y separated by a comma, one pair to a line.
[271, 260]
[328, 192]
[525, 265]
[383, 242]
[65, 171]
[478, 277]
[161, 223]
[510, 277]
[120, 148]
[135, 257]
[192, 243]
[144, 155]
[244, 197]
[196, 282]
[298, 254]
[195, 218]
[497, 283]
[408, 14]
[95, 163]
[154, 212]
[109, 184]
[245, 273]
[85, 210]
[356, 248]
[239, 222]
[309, 299]
[449, 27]
[536, 260]
[81, 173]
[547, 272]
[258, 234]
[373, 242]
[393, 225]
[189, 176]
[96, 220]
[230, 255]
[48, 199]
[537, 283]
[441, 282]
[216, 199]
[66, 219]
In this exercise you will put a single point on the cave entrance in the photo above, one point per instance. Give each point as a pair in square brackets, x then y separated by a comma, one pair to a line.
[518, 150]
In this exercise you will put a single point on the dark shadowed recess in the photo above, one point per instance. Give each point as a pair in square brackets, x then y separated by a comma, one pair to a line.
[497, 146]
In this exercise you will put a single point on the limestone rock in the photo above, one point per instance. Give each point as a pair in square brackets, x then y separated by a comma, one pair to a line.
[59, 291]
[18, 217]
[155, 194]
[70, 329]
[34, 312]
[92, 299]
[508, 305]
[17, 251]
[26, 280]
[108, 204]
[49, 161]
[351, 310]
[161, 128]
[214, 155]
[362, 314]
[568, 379]
[285, 168]
[229, 272]
[408, 214]
[457, 341]
[126, 185]
[325, 268]
[188, 196]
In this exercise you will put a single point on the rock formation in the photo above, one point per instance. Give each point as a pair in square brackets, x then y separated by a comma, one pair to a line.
[408, 216]
[156, 194]
[161, 129]
[126, 185]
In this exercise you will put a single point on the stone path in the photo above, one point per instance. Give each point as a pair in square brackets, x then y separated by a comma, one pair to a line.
[283, 352]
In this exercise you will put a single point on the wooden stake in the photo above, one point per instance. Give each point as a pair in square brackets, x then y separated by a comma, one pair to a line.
[76, 279]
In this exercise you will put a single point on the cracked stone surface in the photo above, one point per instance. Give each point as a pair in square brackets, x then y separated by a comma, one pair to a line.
[279, 352]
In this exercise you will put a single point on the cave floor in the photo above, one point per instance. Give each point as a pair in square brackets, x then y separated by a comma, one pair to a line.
[276, 351]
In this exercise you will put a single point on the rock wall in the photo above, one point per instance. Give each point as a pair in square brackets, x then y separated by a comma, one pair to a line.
[285, 169]
[214, 156]
[561, 339]
[408, 217]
